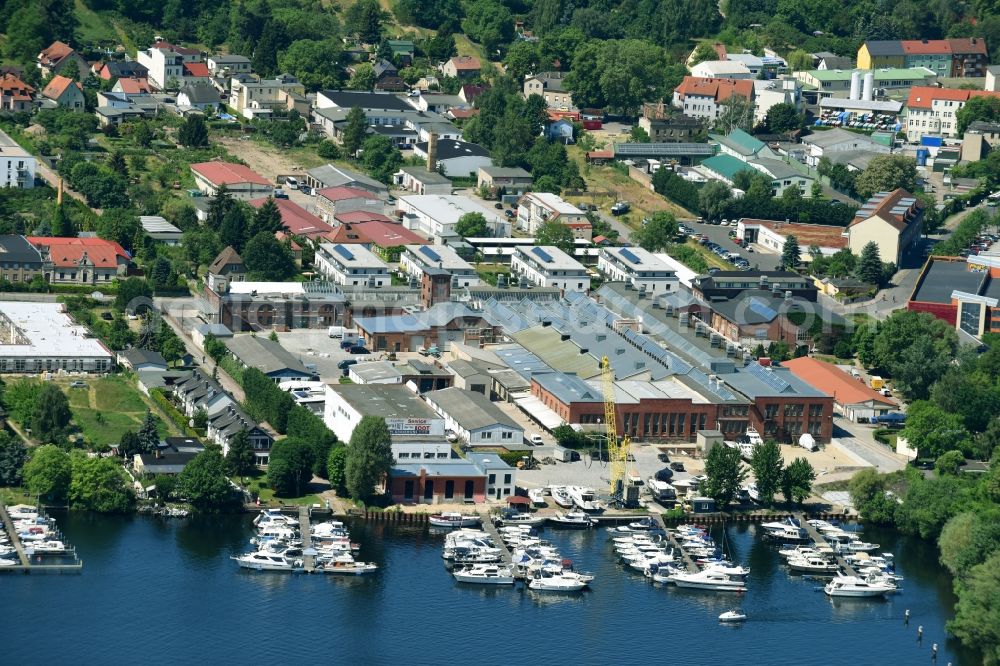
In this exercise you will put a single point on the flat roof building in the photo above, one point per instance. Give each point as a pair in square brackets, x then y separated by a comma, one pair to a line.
[407, 416]
[548, 266]
[639, 269]
[351, 265]
[40, 337]
[416, 260]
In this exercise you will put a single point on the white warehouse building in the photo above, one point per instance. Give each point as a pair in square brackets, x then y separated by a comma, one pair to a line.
[474, 418]
[407, 416]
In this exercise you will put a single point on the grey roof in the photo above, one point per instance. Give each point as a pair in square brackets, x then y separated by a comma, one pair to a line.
[437, 315]
[347, 99]
[568, 388]
[17, 248]
[486, 461]
[505, 172]
[450, 148]
[454, 469]
[375, 371]
[385, 400]
[944, 277]
[229, 59]
[332, 176]
[426, 177]
[551, 80]
[469, 409]
[833, 137]
[756, 381]
[154, 224]
[201, 93]
[887, 47]
[139, 356]
[655, 149]
[523, 362]
[464, 368]
[218, 330]
[265, 355]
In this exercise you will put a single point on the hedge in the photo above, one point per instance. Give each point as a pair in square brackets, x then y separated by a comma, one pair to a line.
[172, 413]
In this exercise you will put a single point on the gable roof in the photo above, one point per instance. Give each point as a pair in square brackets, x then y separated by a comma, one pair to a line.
[465, 63]
[968, 46]
[135, 86]
[58, 86]
[884, 47]
[55, 53]
[226, 257]
[718, 89]
[741, 142]
[922, 97]
[846, 390]
[361, 227]
[926, 47]
[297, 219]
[65, 252]
[451, 148]
[899, 208]
[227, 173]
[266, 355]
[12, 86]
[116, 69]
[726, 166]
[344, 192]
[469, 409]
[136, 357]
[201, 92]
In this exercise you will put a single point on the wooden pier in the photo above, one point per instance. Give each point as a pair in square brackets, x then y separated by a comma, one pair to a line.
[491, 529]
[308, 561]
[689, 562]
[27, 566]
[820, 542]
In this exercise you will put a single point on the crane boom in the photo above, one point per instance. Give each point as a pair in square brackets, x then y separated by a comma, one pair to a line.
[617, 450]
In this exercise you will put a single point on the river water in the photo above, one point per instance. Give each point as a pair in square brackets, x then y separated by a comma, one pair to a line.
[157, 591]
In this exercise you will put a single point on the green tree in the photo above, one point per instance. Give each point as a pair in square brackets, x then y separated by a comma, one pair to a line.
[977, 615]
[289, 466]
[266, 258]
[142, 134]
[766, 464]
[20, 397]
[554, 232]
[783, 118]
[161, 274]
[363, 77]
[267, 218]
[364, 19]
[314, 62]
[328, 150]
[193, 132]
[13, 455]
[381, 158]
[336, 466]
[949, 462]
[472, 225]
[799, 60]
[51, 415]
[205, 481]
[726, 474]
[638, 135]
[148, 435]
[704, 51]
[933, 431]
[48, 473]
[657, 234]
[790, 253]
[985, 108]
[369, 457]
[233, 231]
[490, 23]
[886, 173]
[116, 163]
[797, 480]
[522, 59]
[713, 198]
[737, 113]
[119, 226]
[915, 349]
[265, 52]
[99, 485]
[867, 489]
[215, 348]
[355, 130]
[61, 225]
[869, 267]
[129, 445]
[240, 456]
[165, 485]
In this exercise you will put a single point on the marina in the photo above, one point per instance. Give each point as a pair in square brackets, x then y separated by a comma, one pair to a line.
[31, 543]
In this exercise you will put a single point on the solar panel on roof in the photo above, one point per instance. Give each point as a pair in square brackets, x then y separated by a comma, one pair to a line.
[768, 377]
[763, 309]
[630, 256]
[542, 254]
[429, 253]
[344, 252]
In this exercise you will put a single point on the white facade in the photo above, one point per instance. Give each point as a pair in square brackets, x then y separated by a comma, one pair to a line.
[722, 69]
[535, 208]
[436, 214]
[773, 92]
[838, 140]
[351, 265]
[164, 65]
[501, 478]
[474, 418]
[415, 259]
[642, 270]
[341, 416]
[434, 450]
[548, 266]
[939, 120]
[263, 95]
[40, 337]
[17, 166]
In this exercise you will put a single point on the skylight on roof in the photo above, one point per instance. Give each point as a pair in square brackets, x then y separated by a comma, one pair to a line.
[630, 256]
[429, 253]
[542, 254]
[344, 252]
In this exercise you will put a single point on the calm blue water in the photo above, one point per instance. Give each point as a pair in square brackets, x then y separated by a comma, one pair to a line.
[165, 592]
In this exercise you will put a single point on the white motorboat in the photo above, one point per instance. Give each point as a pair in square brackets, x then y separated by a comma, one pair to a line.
[537, 497]
[274, 517]
[347, 568]
[753, 437]
[852, 586]
[709, 580]
[452, 520]
[266, 561]
[814, 565]
[804, 551]
[561, 496]
[564, 581]
[22, 512]
[856, 546]
[585, 499]
[753, 493]
[485, 574]
[733, 616]
[528, 519]
[51, 546]
[728, 568]
[785, 531]
[572, 519]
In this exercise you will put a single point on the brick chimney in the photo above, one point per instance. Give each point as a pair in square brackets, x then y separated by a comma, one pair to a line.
[432, 151]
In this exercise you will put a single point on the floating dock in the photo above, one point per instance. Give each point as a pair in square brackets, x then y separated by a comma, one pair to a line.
[308, 561]
[490, 528]
[819, 541]
[689, 562]
[26, 566]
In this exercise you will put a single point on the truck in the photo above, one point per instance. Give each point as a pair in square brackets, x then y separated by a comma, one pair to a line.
[877, 383]
[344, 334]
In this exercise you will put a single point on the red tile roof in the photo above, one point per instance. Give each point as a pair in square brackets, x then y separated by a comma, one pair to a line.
[342, 192]
[830, 379]
[226, 173]
[68, 252]
[883, 210]
[458, 114]
[926, 46]
[55, 53]
[718, 89]
[359, 216]
[968, 46]
[465, 63]
[58, 85]
[376, 232]
[196, 69]
[297, 219]
[921, 97]
[14, 87]
[135, 86]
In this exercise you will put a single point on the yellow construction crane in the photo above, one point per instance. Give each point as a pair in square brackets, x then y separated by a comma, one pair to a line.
[617, 450]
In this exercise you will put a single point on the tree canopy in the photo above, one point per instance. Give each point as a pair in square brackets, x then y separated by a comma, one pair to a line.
[658, 233]
[554, 232]
[725, 472]
[767, 465]
[100, 485]
[205, 481]
[48, 473]
[886, 173]
[472, 225]
[369, 457]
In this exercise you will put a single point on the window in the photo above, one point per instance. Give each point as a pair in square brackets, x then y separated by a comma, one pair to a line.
[403, 455]
[507, 435]
[506, 478]
[492, 479]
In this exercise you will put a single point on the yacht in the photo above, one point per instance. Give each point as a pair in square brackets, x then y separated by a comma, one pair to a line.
[561, 496]
[852, 586]
[753, 493]
[345, 565]
[728, 569]
[274, 517]
[733, 616]
[451, 520]
[50, 546]
[785, 531]
[572, 519]
[859, 547]
[564, 581]
[813, 564]
[709, 580]
[585, 499]
[266, 561]
[485, 574]
[537, 497]
[528, 519]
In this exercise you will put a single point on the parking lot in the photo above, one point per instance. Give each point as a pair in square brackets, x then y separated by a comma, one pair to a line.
[313, 346]
[719, 234]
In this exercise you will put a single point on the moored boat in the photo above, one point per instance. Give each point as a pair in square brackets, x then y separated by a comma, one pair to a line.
[852, 586]
[452, 520]
[485, 574]
[572, 519]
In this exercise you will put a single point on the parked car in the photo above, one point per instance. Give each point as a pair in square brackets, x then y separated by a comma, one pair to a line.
[663, 457]
[665, 474]
[498, 206]
[78, 384]
[509, 213]
[358, 349]
[347, 344]
[620, 208]
[677, 466]
[346, 363]
[536, 439]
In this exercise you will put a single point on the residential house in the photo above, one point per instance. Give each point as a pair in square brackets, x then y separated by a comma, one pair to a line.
[880, 54]
[560, 130]
[824, 60]
[469, 92]
[549, 85]
[741, 145]
[240, 181]
[231, 421]
[639, 269]
[665, 127]
[251, 97]
[421, 180]
[504, 180]
[965, 57]
[21, 261]
[455, 159]
[402, 50]
[435, 215]
[86, 261]
[170, 458]
[892, 220]
[703, 98]
[418, 260]
[387, 77]
[16, 96]
[113, 70]
[332, 201]
[351, 265]
[434, 102]
[269, 357]
[934, 111]
[501, 478]
[227, 268]
[761, 67]
[783, 175]
[386, 238]
[169, 65]
[57, 56]
[462, 67]
[227, 66]
[726, 285]
[771, 92]
[64, 93]
[138, 360]
[535, 208]
[548, 266]
[114, 108]
[132, 87]
[475, 419]
[328, 175]
[20, 164]
[993, 78]
[200, 96]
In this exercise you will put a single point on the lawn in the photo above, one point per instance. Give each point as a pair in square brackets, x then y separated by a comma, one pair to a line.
[466, 47]
[489, 272]
[93, 27]
[620, 187]
[267, 496]
[109, 407]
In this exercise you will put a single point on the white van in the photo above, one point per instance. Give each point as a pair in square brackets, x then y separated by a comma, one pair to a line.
[292, 183]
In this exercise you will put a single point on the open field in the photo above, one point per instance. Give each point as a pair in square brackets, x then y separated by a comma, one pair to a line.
[108, 408]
